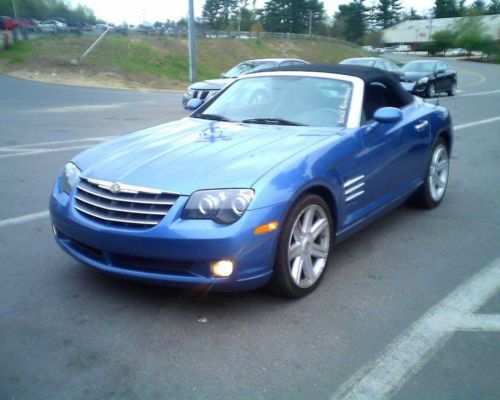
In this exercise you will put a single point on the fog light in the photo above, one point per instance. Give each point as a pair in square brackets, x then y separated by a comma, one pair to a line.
[222, 269]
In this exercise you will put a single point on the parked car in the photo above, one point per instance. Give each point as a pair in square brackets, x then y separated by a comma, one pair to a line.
[251, 191]
[377, 62]
[456, 52]
[428, 77]
[206, 89]
[100, 27]
[52, 26]
[9, 23]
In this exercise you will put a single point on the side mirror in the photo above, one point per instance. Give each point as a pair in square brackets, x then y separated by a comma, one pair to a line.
[194, 104]
[388, 115]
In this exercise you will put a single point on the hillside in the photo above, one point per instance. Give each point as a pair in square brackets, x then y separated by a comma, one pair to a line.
[151, 62]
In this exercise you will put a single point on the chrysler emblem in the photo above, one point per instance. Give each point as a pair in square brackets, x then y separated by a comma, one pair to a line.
[115, 187]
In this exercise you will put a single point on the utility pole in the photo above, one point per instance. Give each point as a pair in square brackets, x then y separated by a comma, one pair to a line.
[14, 8]
[192, 43]
[310, 22]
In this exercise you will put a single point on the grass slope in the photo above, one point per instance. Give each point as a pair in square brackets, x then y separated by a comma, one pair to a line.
[151, 62]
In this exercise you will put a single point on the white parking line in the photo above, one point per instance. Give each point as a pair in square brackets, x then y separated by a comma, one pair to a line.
[383, 377]
[24, 218]
[479, 93]
[476, 123]
[91, 139]
[28, 149]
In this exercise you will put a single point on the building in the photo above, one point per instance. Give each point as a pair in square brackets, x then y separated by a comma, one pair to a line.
[416, 32]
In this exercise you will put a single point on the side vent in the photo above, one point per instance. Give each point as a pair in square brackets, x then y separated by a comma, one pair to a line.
[353, 188]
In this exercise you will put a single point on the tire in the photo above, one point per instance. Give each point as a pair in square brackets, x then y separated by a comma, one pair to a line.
[432, 191]
[301, 259]
[453, 89]
[430, 92]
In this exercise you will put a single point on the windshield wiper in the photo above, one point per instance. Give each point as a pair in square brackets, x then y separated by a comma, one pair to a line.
[272, 121]
[213, 117]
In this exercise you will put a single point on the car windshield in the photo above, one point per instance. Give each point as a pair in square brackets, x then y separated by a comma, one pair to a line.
[420, 67]
[360, 61]
[283, 100]
[247, 67]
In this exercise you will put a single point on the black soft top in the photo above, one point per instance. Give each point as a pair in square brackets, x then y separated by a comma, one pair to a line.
[367, 74]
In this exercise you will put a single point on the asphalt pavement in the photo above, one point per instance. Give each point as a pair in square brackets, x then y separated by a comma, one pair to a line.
[69, 332]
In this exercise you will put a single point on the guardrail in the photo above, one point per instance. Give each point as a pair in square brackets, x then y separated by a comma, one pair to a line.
[272, 35]
[8, 38]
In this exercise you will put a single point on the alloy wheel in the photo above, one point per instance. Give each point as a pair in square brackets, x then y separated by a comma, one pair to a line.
[438, 172]
[309, 246]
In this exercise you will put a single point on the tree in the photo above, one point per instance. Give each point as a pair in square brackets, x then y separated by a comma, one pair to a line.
[396, 8]
[351, 20]
[470, 36]
[493, 7]
[443, 40]
[479, 7]
[445, 9]
[217, 13]
[413, 15]
[291, 15]
[384, 14]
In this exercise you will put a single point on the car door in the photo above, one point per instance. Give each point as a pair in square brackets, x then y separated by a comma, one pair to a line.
[442, 77]
[389, 164]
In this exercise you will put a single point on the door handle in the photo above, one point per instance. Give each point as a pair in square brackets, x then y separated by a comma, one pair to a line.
[420, 127]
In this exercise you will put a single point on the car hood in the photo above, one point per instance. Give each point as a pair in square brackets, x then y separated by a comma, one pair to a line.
[212, 84]
[193, 154]
[415, 76]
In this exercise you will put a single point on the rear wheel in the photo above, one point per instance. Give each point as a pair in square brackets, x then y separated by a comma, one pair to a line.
[304, 248]
[431, 193]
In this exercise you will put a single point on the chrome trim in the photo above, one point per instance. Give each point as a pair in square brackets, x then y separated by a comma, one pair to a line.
[126, 188]
[354, 195]
[422, 125]
[354, 188]
[94, 214]
[120, 209]
[352, 181]
[127, 200]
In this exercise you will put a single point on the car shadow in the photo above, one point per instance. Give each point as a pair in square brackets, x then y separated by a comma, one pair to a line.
[202, 302]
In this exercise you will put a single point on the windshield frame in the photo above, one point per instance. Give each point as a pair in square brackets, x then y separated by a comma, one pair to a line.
[355, 110]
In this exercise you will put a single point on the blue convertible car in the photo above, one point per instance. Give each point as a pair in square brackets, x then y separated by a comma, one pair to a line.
[254, 190]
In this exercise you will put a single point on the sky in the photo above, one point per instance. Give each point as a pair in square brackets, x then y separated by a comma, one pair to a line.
[134, 12]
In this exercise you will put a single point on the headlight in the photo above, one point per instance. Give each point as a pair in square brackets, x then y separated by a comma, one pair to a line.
[224, 206]
[423, 81]
[69, 178]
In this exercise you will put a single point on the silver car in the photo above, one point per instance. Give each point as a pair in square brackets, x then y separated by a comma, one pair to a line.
[206, 89]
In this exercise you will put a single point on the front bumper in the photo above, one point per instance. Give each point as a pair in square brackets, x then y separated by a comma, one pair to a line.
[176, 252]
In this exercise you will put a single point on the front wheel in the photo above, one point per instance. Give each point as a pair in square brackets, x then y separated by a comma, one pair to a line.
[431, 193]
[304, 248]
[431, 90]
[453, 90]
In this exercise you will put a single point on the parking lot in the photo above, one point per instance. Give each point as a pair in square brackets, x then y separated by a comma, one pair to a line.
[409, 307]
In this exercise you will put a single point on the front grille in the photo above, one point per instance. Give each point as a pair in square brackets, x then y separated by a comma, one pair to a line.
[130, 207]
[203, 94]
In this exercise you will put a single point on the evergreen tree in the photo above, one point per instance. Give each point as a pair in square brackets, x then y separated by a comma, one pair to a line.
[217, 13]
[493, 7]
[445, 9]
[291, 15]
[385, 15]
[351, 20]
[396, 9]
[479, 7]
